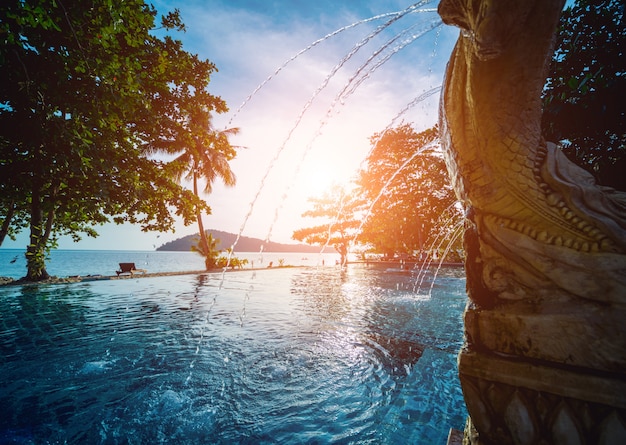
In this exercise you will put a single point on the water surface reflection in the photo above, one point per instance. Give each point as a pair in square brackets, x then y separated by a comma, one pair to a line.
[292, 355]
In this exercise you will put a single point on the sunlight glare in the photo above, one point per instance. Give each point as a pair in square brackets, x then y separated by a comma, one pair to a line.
[317, 178]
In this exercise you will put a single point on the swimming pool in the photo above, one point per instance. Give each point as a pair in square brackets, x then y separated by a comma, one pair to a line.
[279, 356]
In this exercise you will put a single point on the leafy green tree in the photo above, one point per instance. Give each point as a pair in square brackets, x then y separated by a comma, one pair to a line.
[405, 184]
[584, 95]
[340, 209]
[13, 212]
[205, 158]
[88, 95]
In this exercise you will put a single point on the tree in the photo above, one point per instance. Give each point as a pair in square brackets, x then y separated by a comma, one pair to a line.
[88, 95]
[205, 158]
[230, 260]
[405, 184]
[209, 251]
[12, 211]
[583, 97]
[340, 209]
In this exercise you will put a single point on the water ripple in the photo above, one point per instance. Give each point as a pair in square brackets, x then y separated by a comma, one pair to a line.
[321, 356]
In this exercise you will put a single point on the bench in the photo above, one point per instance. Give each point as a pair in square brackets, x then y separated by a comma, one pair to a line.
[129, 268]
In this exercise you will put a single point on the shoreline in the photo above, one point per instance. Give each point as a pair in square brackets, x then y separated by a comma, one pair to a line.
[7, 281]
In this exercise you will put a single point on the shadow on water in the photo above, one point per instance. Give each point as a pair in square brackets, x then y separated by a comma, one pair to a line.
[43, 310]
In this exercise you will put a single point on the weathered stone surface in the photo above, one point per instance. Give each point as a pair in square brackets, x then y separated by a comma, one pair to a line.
[540, 405]
[545, 356]
[575, 383]
[571, 334]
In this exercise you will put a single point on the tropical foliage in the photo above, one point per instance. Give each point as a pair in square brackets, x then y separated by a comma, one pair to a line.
[230, 260]
[583, 97]
[340, 211]
[402, 203]
[208, 250]
[406, 185]
[88, 95]
[205, 158]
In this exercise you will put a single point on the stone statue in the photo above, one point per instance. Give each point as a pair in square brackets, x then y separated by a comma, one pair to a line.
[545, 354]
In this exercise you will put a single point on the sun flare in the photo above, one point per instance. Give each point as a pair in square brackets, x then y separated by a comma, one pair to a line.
[318, 178]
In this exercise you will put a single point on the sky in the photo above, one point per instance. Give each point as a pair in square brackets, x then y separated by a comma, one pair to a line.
[298, 134]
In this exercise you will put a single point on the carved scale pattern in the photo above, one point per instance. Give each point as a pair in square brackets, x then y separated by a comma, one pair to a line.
[508, 415]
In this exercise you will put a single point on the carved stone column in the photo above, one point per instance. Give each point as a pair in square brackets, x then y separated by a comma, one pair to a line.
[541, 372]
[545, 355]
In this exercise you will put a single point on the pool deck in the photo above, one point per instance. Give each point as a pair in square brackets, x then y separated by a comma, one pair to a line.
[406, 265]
[409, 264]
[82, 278]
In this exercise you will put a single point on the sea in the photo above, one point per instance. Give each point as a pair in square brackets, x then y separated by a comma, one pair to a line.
[84, 263]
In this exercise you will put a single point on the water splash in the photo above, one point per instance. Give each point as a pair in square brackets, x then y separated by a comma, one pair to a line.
[356, 81]
[436, 245]
[394, 18]
[397, 14]
[420, 98]
[360, 75]
[364, 72]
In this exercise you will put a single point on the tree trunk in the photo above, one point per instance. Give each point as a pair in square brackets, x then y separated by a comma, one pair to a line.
[36, 250]
[343, 252]
[204, 243]
[4, 230]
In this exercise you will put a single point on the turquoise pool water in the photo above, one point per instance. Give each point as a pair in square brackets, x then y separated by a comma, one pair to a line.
[281, 356]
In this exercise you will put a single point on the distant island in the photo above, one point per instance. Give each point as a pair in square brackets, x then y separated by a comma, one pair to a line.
[245, 244]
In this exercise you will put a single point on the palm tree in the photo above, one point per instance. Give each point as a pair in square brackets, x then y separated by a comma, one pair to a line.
[210, 255]
[206, 159]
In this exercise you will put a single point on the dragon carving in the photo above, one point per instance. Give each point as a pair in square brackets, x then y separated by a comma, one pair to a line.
[546, 245]
[524, 193]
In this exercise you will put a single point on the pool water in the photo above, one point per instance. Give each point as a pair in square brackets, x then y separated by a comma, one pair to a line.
[279, 356]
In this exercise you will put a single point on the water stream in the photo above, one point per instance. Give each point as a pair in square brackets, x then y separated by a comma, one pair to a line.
[376, 59]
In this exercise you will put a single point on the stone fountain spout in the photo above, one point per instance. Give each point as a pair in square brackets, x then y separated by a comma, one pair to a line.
[545, 353]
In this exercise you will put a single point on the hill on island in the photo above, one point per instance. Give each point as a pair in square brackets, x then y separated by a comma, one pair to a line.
[245, 244]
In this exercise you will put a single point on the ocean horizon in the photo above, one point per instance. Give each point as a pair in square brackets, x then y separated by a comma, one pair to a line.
[72, 262]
